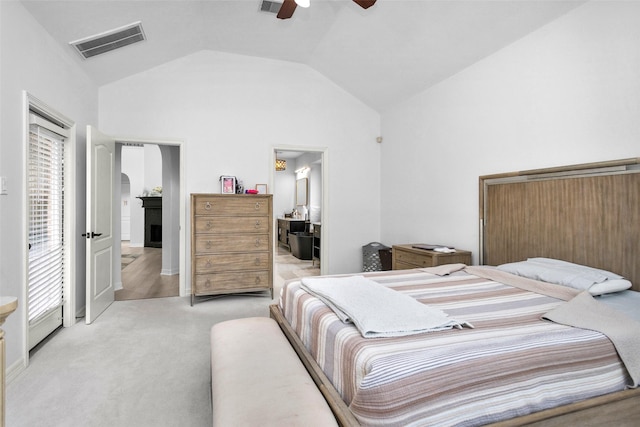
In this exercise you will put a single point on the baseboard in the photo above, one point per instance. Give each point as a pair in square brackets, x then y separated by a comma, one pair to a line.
[14, 370]
[169, 271]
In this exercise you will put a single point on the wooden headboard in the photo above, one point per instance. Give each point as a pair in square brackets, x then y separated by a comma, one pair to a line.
[588, 214]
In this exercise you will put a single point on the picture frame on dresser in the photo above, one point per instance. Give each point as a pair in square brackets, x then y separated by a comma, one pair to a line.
[228, 184]
[262, 188]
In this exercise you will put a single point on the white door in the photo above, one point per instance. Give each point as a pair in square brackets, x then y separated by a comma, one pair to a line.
[100, 171]
[46, 218]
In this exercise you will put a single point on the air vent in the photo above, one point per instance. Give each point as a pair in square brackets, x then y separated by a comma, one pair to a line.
[109, 40]
[270, 6]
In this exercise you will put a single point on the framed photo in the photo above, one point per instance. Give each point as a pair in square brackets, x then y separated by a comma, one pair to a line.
[262, 188]
[228, 184]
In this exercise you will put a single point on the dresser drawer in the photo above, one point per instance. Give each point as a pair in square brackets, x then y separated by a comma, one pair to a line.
[227, 225]
[399, 265]
[406, 256]
[206, 284]
[215, 243]
[417, 260]
[231, 205]
[216, 263]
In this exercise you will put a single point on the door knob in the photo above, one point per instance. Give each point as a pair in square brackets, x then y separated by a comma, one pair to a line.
[91, 235]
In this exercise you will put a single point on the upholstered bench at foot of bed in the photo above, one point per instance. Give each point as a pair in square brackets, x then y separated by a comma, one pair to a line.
[258, 379]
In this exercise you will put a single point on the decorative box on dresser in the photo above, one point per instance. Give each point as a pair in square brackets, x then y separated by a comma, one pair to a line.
[406, 256]
[231, 244]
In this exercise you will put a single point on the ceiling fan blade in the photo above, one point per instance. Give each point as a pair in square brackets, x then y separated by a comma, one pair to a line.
[287, 9]
[365, 4]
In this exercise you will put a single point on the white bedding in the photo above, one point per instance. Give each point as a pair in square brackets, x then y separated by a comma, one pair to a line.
[627, 302]
[376, 310]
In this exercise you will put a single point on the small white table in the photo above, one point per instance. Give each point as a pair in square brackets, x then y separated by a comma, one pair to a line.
[7, 306]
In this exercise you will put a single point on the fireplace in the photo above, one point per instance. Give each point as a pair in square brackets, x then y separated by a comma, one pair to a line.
[152, 221]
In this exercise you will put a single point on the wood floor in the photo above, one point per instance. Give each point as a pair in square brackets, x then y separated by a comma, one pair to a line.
[141, 278]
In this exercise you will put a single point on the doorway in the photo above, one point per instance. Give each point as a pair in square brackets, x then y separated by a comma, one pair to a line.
[49, 145]
[149, 200]
[299, 168]
[103, 216]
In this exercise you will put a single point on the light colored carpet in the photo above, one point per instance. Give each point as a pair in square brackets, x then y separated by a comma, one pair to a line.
[141, 363]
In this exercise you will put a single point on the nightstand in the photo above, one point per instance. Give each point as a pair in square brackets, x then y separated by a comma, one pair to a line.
[406, 256]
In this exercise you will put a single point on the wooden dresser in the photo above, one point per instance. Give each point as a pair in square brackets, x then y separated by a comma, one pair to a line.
[231, 244]
[405, 257]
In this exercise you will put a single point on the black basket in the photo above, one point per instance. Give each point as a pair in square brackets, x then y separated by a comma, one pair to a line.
[371, 259]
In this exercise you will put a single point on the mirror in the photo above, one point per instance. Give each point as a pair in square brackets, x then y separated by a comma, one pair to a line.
[302, 186]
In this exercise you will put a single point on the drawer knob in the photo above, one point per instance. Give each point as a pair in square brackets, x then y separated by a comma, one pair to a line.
[258, 224]
[209, 225]
[257, 280]
[257, 261]
[209, 245]
[209, 263]
[258, 205]
[208, 282]
[207, 206]
[257, 243]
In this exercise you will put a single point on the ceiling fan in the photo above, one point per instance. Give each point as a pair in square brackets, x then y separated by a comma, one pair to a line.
[289, 6]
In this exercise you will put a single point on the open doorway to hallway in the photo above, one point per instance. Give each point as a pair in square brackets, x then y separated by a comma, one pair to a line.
[141, 278]
[149, 203]
[298, 201]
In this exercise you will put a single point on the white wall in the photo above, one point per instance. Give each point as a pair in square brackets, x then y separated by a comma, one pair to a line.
[284, 191]
[125, 207]
[152, 167]
[568, 93]
[312, 161]
[315, 192]
[231, 110]
[170, 209]
[24, 48]
[133, 164]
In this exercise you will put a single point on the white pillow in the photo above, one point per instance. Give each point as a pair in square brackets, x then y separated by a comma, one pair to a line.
[565, 273]
[610, 286]
[583, 268]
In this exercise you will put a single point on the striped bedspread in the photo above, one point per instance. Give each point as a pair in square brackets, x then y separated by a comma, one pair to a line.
[512, 363]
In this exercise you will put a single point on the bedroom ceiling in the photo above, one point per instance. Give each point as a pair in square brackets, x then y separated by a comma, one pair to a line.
[381, 55]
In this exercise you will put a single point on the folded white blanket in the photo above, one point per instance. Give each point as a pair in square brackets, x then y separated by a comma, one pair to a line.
[376, 310]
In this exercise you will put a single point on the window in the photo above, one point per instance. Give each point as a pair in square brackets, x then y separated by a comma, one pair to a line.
[46, 200]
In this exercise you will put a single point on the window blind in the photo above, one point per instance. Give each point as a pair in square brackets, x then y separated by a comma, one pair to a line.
[45, 189]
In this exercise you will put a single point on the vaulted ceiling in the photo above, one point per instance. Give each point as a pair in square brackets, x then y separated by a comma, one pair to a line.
[381, 55]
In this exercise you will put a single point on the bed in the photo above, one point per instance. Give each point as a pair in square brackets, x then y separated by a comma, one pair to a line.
[512, 367]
